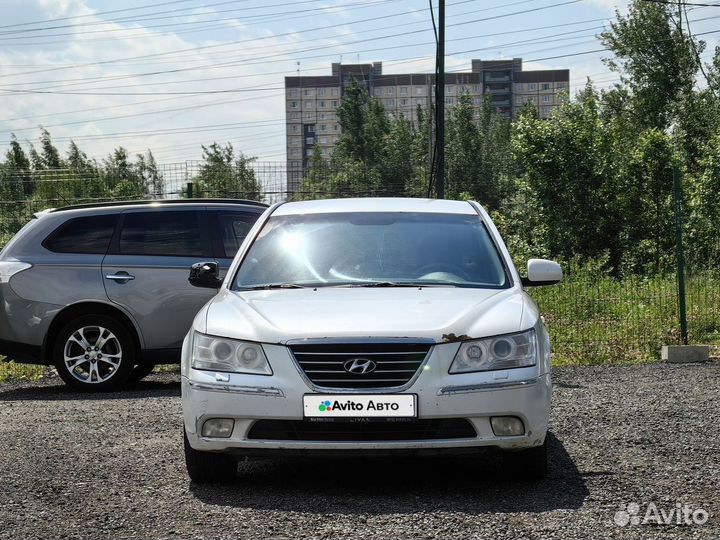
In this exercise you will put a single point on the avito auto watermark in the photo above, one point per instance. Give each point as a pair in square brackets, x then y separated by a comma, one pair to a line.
[679, 514]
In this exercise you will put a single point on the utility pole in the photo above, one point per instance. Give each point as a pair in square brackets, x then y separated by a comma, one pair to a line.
[680, 255]
[440, 103]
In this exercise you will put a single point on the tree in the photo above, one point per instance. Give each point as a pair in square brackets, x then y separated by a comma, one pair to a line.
[122, 176]
[657, 61]
[151, 177]
[49, 155]
[225, 175]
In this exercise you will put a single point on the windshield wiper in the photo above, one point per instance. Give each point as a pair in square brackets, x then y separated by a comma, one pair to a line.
[269, 286]
[394, 284]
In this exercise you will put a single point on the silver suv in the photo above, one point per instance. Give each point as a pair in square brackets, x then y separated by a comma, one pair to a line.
[101, 291]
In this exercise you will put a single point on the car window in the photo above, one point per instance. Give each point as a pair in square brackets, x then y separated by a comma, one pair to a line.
[89, 234]
[167, 233]
[343, 249]
[234, 227]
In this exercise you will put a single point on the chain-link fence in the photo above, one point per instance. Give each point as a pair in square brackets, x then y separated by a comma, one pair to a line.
[592, 317]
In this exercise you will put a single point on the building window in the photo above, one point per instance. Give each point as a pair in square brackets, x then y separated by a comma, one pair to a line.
[311, 129]
[334, 103]
[335, 127]
[419, 90]
[546, 111]
[295, 152]
[295, 115]
[532, 86]
[309, 152]
[309, 140]
[321, 92]
[323, 127]
[293, 104]
[476, 88]
[323, 140]
[390, 102]
[294, 128]
[403, 102]
[334, 92]
[308, 116]
[294, 92]
[322, 104]
[390, 91]
[307, 105]
[403, 90]
[477, 101]
[448, 89]
[546, 99]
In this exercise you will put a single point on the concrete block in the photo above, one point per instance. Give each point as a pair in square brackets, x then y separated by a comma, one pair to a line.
[683, 354]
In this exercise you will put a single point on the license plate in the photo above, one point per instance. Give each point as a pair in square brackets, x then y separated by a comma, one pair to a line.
[360, 406]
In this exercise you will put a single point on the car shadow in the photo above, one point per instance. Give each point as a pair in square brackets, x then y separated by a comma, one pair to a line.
[472, 485]
[58, 392]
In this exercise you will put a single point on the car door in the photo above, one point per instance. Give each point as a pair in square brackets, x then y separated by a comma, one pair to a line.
[229, 228]
[146, 271]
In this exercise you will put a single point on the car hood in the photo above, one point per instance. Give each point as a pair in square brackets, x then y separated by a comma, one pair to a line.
[437, 313]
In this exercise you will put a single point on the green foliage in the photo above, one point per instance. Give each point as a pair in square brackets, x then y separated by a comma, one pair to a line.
[223, 174]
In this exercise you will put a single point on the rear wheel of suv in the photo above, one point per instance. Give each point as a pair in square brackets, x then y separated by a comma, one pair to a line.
[94, 353]
[530, 464]
[208, 467]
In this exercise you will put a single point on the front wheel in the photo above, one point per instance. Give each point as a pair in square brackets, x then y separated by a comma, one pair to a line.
[208, 467]
[94, 353]
[530, 464]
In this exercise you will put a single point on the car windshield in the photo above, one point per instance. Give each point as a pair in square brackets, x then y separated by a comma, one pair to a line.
[382, 249]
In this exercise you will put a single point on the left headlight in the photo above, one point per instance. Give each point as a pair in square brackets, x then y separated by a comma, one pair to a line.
[499, 352]
[222, 354]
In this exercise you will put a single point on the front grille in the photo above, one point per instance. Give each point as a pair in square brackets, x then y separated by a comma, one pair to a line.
[415, 430]
[396, 363]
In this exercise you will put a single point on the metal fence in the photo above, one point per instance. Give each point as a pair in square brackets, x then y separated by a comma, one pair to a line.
[592, 317]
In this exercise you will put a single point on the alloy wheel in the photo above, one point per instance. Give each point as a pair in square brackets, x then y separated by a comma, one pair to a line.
[92, 354]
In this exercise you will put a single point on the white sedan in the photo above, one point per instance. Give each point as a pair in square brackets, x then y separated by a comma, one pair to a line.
[365, 326]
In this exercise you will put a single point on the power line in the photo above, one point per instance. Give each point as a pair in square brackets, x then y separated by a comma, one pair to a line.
[205, 47]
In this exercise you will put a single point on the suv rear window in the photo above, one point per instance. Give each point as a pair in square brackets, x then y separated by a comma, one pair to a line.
[167, 233]
[234, 227]
[89, 235]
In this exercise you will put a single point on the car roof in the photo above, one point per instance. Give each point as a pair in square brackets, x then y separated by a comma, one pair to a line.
[155, 203]
[375, 204]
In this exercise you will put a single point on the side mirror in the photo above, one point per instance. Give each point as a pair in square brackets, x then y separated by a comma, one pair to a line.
[205, 274]
[542, 272]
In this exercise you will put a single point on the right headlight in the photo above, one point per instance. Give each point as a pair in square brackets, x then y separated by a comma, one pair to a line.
[499, 352]
[222, 354]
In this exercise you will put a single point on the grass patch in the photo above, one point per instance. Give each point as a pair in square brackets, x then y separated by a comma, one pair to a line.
[599, 320]
[20, 372]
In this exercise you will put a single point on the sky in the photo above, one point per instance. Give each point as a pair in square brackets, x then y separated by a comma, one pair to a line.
[175, 74]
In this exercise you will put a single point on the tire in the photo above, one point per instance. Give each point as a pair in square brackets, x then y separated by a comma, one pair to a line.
[140, 371]
[88, 367]
[208, 467]
[530, 464]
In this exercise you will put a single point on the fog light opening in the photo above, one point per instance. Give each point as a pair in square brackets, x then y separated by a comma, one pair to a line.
[218, 427]
[507, 426]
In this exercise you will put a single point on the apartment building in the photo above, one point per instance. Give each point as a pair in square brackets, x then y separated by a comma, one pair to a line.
[312, 101]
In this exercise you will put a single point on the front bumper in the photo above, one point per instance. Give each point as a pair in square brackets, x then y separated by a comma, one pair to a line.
[474, 396]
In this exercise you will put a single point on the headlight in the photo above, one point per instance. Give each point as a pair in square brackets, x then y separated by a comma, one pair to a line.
[500, 352]
[221, 354]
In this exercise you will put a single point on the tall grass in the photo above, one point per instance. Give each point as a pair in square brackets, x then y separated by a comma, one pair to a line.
[596, 319]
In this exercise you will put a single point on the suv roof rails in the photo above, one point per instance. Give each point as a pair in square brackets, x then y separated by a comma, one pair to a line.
[155, 201]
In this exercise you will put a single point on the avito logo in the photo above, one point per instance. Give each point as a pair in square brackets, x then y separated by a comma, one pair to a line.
[349, 405]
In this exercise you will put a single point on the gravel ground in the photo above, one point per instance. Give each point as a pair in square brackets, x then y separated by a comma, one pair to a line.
[111, 466]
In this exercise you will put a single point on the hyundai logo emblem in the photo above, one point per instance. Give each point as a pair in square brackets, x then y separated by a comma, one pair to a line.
[360, 366]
